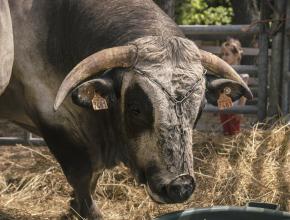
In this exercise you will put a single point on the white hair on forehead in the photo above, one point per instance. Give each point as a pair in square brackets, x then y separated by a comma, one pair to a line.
[158, 49]
[174, 62]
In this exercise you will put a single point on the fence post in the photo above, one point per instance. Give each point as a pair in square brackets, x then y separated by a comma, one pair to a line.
[26, 138]
[263, 63]
[275, 76]
[286, 74]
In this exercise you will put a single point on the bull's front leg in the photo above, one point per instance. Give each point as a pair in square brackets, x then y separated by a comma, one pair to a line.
[79, 174]
[76, 165]
[82, 204]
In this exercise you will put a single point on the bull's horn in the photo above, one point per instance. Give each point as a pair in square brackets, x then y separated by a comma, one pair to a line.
[222, 69]
[106, 59]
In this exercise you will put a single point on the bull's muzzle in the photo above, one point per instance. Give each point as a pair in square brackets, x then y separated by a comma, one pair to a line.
[181, 188]
[177, 190]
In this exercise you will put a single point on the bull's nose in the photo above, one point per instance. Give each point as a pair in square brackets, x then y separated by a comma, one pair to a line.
[181, 188]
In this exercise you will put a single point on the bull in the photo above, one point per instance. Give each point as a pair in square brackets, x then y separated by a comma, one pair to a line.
[137, 85]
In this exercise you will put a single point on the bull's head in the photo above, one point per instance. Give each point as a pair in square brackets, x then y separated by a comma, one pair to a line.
[161, 94]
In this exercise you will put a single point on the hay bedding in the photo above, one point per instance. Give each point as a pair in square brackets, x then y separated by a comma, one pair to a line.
[253, 166]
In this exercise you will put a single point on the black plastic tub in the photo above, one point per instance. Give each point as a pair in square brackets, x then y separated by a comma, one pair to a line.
[253, 211]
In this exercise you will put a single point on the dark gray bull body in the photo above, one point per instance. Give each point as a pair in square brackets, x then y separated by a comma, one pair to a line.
[154, 95]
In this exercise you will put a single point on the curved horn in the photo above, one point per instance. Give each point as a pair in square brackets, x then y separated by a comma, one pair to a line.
[122, 56]
[223, 69]
[6, 46]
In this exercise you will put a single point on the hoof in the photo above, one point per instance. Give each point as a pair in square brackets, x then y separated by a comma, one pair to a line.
[81, 211]
[94, 213]
[68, 216]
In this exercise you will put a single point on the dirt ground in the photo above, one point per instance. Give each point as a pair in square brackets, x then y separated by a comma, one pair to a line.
[252, 166]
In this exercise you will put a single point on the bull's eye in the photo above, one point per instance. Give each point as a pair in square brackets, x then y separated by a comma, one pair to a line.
[134, 110]
[138, 111]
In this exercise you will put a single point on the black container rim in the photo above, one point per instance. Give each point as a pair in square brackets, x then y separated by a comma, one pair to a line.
[225, 209]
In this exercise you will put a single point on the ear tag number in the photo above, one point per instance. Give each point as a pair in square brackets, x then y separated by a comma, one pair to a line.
[99, 103]
[224, 100]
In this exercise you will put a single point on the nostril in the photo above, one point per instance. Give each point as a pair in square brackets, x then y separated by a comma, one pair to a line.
[180, 189]
[175, 191]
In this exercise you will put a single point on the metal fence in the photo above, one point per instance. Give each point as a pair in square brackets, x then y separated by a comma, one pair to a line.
[26, 139]
[211, 32]
[272, 69]
[276, 81]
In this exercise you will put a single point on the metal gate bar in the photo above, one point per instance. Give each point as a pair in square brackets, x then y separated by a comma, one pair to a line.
[213, 30]
[248, 109]
[26, 139]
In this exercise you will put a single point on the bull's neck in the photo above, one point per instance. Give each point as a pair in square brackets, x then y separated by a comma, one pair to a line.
[101, 135]
[80, 28]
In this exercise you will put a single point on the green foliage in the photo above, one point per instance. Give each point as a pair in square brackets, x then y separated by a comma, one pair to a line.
[204, 12]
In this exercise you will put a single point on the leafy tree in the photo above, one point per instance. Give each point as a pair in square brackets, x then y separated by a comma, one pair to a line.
[204, 12]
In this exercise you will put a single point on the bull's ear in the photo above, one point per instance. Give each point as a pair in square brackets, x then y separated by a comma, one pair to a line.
[96, 94]
[6, 45]
[217, 85]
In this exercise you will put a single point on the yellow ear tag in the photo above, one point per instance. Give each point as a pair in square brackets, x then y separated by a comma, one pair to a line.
[99, 103]
[225, 101]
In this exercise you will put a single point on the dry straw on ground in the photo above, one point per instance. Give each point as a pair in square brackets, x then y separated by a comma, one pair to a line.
[252, 166]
